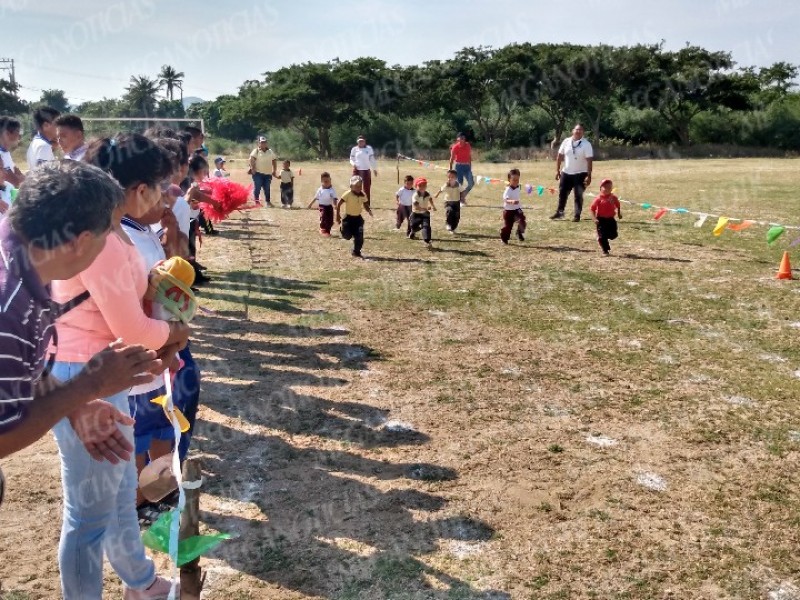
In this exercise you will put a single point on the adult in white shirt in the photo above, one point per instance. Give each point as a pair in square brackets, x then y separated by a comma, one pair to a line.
[69, 133]
[576, 155]
[10, 136]
[362, 159]
[41, 149]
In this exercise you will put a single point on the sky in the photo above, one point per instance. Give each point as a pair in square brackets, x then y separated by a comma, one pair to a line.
[90, 48]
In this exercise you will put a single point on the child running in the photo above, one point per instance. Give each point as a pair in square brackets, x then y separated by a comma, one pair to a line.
[220, 171]
[453, 195]
[287, 185]
[325, 198]
[352, 226]
[422, 204]
[512, 210]
[604, 208]
[404, 202]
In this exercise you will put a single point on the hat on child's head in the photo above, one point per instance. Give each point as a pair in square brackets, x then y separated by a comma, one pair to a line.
[219, 160]
[261, 138]
[355, 179]
[420, 181]
[361, 137]
[605, 181]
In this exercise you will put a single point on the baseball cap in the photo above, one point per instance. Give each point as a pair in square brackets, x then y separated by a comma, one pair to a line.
[356, 179]
[361, 137]
[262, 138]
[419, 181]
[219, 159]
[605, 181]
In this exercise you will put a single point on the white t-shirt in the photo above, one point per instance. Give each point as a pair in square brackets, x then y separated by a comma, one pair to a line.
[325, 196]
[8, 162]
[150, 249]
[286, 176]
[575, 155]
[220, 173]
[40, 151]
[363, 159]
[182, 213]
[511, 198]
[405, 195]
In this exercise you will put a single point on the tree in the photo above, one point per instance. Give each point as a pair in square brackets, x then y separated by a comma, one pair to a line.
[10, 104]
[140, 96]
[170, 79]
[690, 81]
[54, 99]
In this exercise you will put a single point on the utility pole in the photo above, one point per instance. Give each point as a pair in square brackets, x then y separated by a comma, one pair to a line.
[7, 64]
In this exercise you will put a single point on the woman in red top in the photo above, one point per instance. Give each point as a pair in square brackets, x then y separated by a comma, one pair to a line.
[604, 208]
[461, 157]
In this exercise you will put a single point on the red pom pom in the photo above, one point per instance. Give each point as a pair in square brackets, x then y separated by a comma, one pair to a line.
[229, 194]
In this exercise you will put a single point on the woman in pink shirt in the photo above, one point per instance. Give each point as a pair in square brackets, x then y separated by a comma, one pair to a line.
[100, 496]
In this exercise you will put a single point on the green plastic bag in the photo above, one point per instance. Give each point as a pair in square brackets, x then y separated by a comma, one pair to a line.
[157, 539]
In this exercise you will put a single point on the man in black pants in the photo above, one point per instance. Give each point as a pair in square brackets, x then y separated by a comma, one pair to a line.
[576, 155]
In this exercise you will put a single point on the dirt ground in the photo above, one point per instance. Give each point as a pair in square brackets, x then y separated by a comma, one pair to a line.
[485, 421]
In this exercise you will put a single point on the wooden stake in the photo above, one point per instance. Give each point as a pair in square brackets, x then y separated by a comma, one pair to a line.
[398, 169]
[191, 573]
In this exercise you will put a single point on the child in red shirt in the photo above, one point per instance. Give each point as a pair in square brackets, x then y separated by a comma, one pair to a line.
[604, 208]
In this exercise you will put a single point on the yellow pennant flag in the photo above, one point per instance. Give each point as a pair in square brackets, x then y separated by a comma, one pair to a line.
[721, 223]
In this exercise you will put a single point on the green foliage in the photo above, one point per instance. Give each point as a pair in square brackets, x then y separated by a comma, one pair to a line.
[10, 104]
[54, 99]
[140, 96]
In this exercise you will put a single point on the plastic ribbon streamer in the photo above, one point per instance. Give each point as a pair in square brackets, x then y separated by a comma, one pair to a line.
[157, 538]
[661, 212]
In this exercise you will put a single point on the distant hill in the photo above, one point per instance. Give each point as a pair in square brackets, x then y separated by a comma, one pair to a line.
[189, 100]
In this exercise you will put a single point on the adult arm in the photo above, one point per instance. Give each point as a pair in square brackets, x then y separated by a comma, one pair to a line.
[588, 179]
[274, 165]
[373, 161]
[452, 157]
[559, 160]
[252, 161]
[353, 151]
[115, 369]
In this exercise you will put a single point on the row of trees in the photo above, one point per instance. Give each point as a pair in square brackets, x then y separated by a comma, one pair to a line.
[143, 98]
[520, 95]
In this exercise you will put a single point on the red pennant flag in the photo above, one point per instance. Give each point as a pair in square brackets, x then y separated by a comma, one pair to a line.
[661, 212]
[739, 226]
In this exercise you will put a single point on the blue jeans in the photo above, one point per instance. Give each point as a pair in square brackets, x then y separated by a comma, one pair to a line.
[464, 171]
[99, 512]
[261, 180]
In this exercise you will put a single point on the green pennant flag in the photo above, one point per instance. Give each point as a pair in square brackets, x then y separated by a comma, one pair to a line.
[157, 539]
[774, 233]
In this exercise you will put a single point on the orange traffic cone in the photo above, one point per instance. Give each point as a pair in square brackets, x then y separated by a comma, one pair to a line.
[785, 270]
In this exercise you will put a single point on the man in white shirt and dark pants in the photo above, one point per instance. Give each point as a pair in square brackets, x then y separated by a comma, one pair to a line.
[576, 155]
[362, 157]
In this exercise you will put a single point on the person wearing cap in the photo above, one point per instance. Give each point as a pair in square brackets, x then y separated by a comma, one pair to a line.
[362, 159]
[461, 162]
[220, 171]
[422, 205]
[355, 201]
[576, 155]
[263, 167]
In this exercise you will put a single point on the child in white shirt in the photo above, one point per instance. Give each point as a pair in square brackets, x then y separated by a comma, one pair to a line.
[512, 209]
[404, 202]
[220, 171]
[326, 199]
[287, 185]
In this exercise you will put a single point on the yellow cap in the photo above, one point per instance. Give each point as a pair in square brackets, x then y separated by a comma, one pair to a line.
[179, 268]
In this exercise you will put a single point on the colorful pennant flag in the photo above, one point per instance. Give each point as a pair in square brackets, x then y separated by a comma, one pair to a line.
[646, 206]
[774, 233]
[740, 226]
[701, 221]
[720, 226]
[660, 213]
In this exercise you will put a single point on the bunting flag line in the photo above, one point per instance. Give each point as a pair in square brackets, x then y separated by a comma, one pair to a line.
[732, 223]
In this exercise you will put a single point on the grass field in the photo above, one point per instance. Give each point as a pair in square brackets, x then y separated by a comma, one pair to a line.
[532, 421]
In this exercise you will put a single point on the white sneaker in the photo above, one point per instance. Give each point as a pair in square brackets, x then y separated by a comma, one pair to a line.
[158, 590]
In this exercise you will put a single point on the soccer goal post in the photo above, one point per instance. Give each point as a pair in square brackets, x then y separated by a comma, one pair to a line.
[105, 125]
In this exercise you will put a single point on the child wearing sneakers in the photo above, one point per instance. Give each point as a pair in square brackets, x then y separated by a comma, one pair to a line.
[422, 205]
[287, 185]
[512, 209]
[403, 197]
[352, 226]
[604, 208]
[453, 195]
[326, 199]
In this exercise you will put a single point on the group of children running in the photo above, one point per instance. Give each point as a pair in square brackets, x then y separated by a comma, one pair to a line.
[415, 203]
